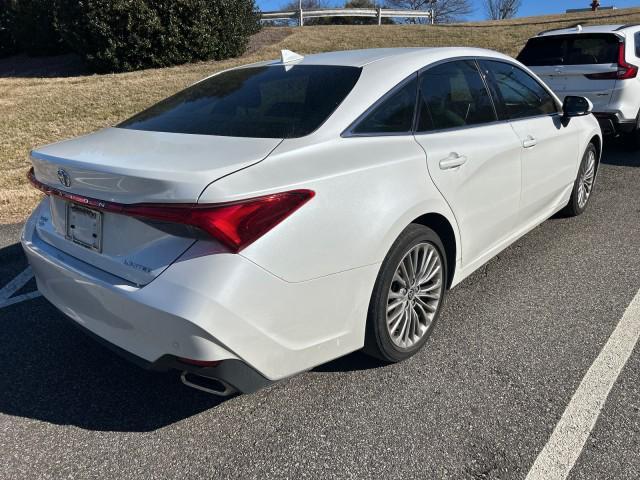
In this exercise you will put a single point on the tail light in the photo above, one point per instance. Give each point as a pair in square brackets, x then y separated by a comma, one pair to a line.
[235, 224]
[625, 70]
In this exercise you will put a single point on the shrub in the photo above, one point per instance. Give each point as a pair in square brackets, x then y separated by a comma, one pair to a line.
[33, 28]
[124, 35]
[7, 41]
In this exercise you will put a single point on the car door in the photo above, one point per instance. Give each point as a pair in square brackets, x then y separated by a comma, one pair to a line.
[549, 145]
[473, 159]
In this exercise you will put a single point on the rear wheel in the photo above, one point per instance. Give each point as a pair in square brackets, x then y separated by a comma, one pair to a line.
[585, 181]
[407, 296]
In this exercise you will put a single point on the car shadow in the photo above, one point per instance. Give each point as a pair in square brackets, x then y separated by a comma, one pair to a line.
[55, 66]
[618, 152]
[53, 372]
[349, 363]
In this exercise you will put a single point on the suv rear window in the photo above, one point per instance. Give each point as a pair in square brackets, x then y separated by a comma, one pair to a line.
[261, 102]
[581, 49]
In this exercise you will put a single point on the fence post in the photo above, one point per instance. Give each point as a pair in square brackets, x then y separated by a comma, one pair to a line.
[300, 17]
[379, 15]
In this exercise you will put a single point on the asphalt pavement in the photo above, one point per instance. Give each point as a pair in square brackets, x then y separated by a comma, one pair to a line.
[479, 402]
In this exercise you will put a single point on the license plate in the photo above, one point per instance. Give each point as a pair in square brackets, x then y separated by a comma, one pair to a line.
[84, 226]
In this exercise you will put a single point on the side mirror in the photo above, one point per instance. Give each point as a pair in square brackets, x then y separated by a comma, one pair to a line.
[576, 107]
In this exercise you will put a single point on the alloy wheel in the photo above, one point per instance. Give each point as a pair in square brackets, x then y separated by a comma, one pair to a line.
[414, 295]
[587, 177]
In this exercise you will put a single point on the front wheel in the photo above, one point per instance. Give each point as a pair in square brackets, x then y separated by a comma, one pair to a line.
[407, 296]
[585, 181]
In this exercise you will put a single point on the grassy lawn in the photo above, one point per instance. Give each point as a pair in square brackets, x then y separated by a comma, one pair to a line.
[35, 111]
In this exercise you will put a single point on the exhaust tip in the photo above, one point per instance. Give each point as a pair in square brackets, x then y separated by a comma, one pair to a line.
[214, 386]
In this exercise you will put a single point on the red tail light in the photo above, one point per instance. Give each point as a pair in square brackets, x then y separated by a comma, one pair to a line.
[625, 70]
[236, 224]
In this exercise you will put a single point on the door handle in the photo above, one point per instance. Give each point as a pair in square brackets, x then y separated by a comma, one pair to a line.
[529, 142]
[452, 161]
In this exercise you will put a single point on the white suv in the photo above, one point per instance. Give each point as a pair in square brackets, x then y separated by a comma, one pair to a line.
[598, 62]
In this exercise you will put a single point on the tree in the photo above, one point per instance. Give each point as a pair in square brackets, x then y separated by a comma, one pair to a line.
[502, 9]
[444, 11]
[124, 35]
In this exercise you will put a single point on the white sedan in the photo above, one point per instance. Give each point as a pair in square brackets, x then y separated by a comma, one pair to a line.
[278, 215]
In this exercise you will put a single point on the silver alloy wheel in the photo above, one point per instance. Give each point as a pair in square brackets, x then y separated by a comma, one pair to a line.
[414, 295]
[587, 177]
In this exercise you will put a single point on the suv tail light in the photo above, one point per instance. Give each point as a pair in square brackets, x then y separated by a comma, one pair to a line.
[625, 70]
[235, 224]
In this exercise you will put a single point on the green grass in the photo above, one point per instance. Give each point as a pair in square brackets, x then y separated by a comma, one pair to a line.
[36, 111]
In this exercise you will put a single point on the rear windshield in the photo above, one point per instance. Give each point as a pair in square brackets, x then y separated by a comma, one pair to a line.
[262, 102]
[582, 49]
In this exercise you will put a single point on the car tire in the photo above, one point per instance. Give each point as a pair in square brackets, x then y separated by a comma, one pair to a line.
[584, 183]
[404, 307]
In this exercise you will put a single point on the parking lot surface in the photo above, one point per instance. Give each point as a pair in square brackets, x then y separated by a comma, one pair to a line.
[480, 401]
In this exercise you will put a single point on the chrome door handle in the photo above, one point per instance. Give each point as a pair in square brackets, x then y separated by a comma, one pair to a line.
[452, 161]
[529, 142]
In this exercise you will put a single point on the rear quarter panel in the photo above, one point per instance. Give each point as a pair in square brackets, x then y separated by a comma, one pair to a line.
[368, 189]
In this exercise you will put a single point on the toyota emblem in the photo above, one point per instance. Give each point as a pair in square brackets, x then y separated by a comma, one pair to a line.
[64, 177]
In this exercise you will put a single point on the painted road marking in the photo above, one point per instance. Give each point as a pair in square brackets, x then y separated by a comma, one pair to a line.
[572, 431]
[13, 286]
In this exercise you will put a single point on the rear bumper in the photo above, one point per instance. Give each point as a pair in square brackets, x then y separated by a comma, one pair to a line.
[233, 372]
[614, 124]
[209, 307]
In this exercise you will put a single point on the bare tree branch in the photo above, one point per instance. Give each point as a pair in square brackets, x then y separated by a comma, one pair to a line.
[445, 11]
[502, 9]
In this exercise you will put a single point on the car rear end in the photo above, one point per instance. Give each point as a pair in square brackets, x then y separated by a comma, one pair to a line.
[123, 246]
[599, 63]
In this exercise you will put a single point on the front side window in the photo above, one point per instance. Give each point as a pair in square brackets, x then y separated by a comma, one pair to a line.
[453, 95]
[517, 94]
[262, 102]
[580, 49]
[394, 114]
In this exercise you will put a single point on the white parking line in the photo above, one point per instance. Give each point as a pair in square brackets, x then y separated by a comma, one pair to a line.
[572, 431]
[13, 286]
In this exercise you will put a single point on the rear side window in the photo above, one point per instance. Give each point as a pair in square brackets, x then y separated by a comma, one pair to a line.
[517, 94]
[453, 95]
[637, 40]
[263, 102]
[394, 114]
[581, 49]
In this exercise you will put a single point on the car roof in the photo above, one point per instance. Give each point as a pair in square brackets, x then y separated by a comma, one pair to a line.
[581, 29]
[361, 58]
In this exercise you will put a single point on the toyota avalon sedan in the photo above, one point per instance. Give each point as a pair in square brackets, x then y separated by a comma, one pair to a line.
[278, 215]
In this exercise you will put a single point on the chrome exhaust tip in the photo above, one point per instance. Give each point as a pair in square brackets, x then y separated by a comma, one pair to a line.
[214, 386]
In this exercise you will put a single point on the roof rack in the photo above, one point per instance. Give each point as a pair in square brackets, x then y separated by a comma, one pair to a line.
[563, 28]
[628, 25]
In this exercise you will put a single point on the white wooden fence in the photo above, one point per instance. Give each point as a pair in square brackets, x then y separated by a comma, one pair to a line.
[378, 13]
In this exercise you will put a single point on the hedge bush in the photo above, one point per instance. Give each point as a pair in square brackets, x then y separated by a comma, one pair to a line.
[7, 41]
[124, 35]
[33, 27]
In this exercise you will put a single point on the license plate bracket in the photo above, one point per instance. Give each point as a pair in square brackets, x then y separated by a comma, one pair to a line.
[84, 226]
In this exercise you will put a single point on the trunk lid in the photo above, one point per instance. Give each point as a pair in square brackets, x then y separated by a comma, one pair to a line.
[132, 166]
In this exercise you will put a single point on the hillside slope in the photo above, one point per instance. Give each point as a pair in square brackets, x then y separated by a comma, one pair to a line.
[36, 111]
